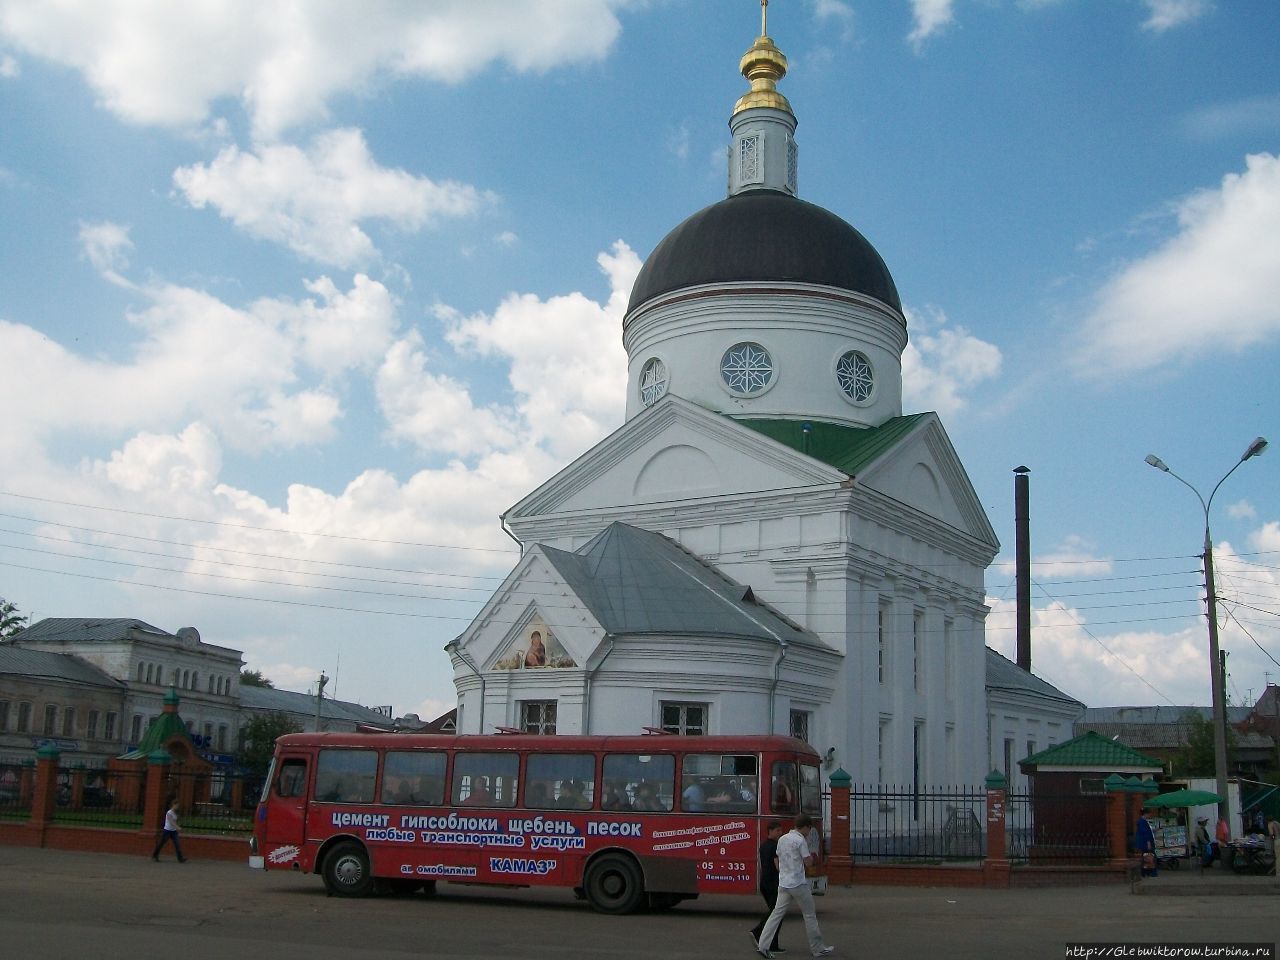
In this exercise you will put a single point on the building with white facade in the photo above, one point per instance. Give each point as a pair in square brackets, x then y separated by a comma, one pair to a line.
[767, 544]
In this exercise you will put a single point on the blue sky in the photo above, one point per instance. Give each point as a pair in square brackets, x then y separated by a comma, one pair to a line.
[277, 270]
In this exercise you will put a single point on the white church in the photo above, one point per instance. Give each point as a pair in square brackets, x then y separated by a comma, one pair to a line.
[767, 544]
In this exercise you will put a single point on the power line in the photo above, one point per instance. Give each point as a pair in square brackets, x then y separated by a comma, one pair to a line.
[247, 526]
[1264, 650]
[1117, 656]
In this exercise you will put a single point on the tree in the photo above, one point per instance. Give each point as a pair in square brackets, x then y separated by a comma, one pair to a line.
[1196, 759]
[11, 621]
[258, 739]
[254, 678]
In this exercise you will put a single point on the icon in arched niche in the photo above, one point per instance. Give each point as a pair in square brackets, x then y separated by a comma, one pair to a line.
[535, 647]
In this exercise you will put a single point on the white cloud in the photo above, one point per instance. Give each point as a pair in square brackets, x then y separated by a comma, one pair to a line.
[1213, 287]
[1241, 510]
[678, 141]
[1259, 114]
[158, 63]
[9, 68]
[185, 464]
[238, 370]
[1172, 659]
[506, 239]
[106, 245]
[941, 363]
[430, 709]
[1163, 15]
[314, 200]
[568, 368]
[834, 13]
[1074, 557]
[432, 411]
[929, 17]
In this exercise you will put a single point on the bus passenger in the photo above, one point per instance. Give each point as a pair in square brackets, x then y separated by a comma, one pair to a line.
[647, 797]
[536, 795]
[694, 798]
[615, 797]
[479, 795]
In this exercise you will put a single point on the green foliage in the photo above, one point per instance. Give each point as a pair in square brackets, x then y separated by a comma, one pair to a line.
[11, 621]
[254, 678]
[1196, 758]
[259, 738]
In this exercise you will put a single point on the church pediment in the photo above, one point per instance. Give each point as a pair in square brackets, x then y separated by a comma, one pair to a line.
[533, 622]
[923, 471]
[676, 450]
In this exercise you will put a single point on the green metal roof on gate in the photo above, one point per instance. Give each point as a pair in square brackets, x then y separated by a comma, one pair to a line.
[1090, 751]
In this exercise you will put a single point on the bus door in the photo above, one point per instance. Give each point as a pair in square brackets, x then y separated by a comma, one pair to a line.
[286, 806]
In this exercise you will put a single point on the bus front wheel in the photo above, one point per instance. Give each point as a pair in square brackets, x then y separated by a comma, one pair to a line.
[346, 871]
[614, 885]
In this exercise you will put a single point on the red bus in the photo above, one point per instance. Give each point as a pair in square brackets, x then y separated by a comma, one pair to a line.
[623, 820]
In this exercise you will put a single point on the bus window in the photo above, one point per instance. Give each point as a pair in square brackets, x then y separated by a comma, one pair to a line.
[649, 779]
[784, 788]
[560, 781]
[346, 776]
[719, 782]
[485, 779]
[413, 777]
[810, 790]
[293, 778]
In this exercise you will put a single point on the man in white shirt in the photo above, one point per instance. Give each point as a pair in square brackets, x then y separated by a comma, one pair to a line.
[793, 857]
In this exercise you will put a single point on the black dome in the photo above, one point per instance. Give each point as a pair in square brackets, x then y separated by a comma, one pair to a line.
[764, 235]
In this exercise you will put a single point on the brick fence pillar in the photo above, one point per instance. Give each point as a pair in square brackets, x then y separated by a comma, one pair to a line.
[26, 783]
[237, 794]
[1117, 818]
[44, 790]
[77, 789]
[996, 869]
[840, 865]
[155, 793]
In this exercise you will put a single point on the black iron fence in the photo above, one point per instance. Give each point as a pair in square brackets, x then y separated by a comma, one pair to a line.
[105, 798]
[217, 802]
[948, 825]
[1056, 829]
[917, 824]
[15, 791]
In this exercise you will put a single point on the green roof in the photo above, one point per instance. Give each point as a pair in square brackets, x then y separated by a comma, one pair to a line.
[848, 449]
[161, 730]
[1091, 751]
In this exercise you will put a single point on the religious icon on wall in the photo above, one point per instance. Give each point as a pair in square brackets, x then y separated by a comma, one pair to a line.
[537, 653]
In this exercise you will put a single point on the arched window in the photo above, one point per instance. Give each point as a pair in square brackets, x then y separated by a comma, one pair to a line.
[149, 673]
[141, 671]
[195, 680]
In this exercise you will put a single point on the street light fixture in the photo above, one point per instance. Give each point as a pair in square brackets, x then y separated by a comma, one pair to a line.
[1211, 613]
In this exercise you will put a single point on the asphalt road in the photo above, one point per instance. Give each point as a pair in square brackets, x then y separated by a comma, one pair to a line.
[101, 907]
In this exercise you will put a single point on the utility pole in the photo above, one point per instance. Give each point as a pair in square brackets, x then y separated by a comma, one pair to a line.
[320, 697]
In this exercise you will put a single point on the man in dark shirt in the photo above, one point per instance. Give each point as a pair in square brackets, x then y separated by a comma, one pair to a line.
[769, 881]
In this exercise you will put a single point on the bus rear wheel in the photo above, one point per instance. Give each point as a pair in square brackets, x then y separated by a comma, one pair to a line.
[614, 885]
[346, 871]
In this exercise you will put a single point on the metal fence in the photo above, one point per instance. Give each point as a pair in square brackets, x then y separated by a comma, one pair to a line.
[1056, 829]
[217, 802]
[914, 824]
[15, 791]
[103, 798]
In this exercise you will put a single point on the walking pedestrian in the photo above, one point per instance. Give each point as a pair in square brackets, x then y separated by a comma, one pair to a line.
[793, 887]
[1145, 844]
[769, 883]
[170, 833]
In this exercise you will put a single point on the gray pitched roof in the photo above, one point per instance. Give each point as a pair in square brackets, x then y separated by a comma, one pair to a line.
[1004, 674]
[1155, 714]
[40, 665]
[638, 582]
[286, 701]
[85, 628]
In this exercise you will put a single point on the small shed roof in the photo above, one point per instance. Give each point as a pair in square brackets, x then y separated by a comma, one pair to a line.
[1092, 752]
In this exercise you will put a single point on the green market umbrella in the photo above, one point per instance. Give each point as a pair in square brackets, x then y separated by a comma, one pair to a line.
[1184, 798]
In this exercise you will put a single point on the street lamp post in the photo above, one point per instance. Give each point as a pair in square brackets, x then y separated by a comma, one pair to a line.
[1211, 614]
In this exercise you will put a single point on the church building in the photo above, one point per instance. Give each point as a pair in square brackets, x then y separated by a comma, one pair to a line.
[768, 544]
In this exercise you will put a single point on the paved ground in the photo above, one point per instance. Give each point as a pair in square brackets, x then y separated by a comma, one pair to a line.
[103, 907]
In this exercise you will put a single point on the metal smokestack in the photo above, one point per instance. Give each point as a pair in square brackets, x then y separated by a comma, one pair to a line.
[1022, 562]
